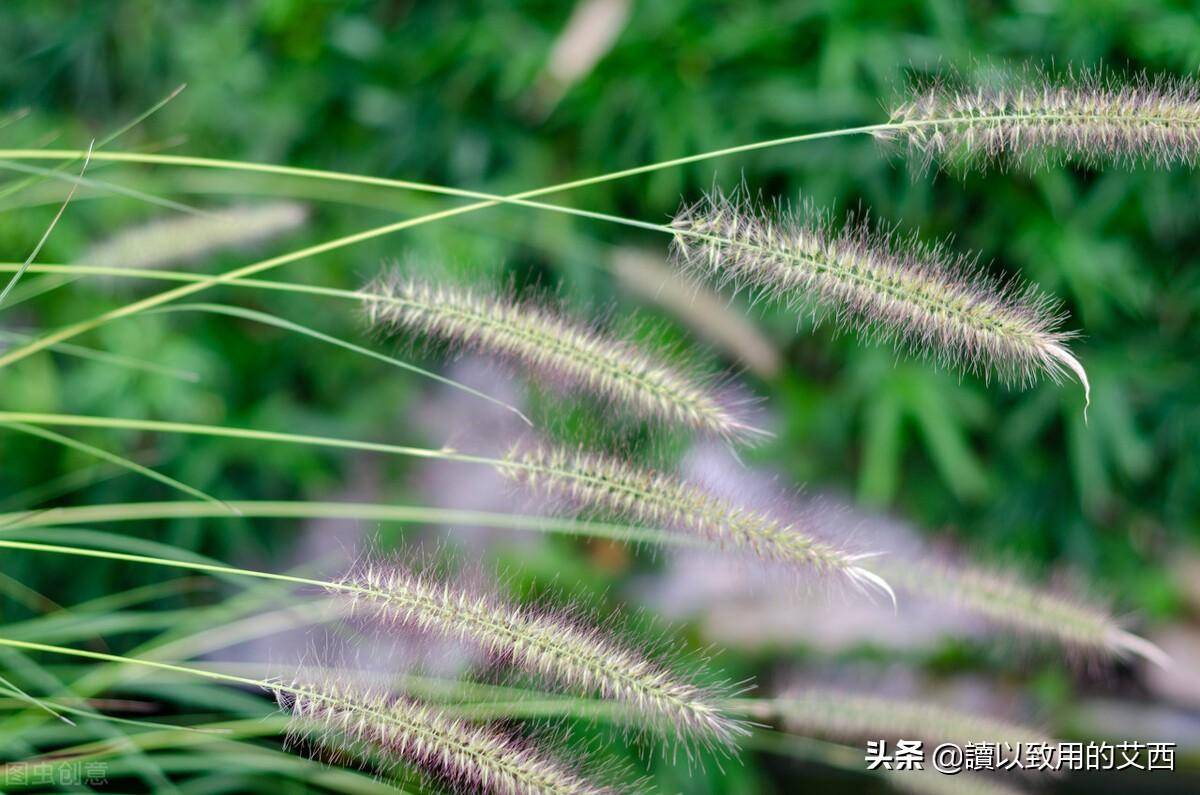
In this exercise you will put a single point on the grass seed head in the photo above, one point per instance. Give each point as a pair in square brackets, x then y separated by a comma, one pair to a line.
[917, 296]
[1009, 601]
[550, 344]
[583, 658]
[604, 483]
[855, 716]
[354, 721]
[187, 238]
[1089, 117]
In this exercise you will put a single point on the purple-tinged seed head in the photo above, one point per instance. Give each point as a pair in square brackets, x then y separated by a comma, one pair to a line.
[854, 716]
[914, 295]
[552, 345]
[604, 483]
[1085, 116]
[585, 659]
[1006, 599]
[354, 721]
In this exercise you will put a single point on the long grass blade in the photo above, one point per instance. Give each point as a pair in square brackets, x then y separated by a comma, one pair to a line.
[288, 325]
[114, 359]
[113, 458]
[45, 235]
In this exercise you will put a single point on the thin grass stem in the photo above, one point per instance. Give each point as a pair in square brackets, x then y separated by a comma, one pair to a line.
[403, 729]
[288, 325]
[572, 655]
[112, 458]
[370, 512]
[167, 296]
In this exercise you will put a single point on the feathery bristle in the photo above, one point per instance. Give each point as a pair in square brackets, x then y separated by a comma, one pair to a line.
[547, 343]
[1088, 117]
[378, 726]
[583, 659]
[1005, 599]
[854, 716]
[604, 483]
[186, 238]
[918, 296]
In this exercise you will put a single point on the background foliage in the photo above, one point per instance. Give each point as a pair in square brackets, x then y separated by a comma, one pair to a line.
[457, 94]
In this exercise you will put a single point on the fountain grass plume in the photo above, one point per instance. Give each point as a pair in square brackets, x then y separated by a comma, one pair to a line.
[376, 727]
[1006, 599]
[916, 295]
[830, 713]
[191, 237]
[585, 659]
[1093, 117]
[550, 344]
[369, 724]
[606, 484]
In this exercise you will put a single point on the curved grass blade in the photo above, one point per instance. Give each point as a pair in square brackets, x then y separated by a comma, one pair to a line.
[115, 359]
[101, 185]
[113, 458]
[34, 702]
[45, 235]
[521, 198]
[105, 141]
[288, 325]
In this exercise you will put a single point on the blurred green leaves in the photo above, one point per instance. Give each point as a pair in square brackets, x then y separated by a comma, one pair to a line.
[440, 92]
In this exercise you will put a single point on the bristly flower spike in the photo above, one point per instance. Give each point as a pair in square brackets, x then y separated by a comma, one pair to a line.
[172, 240]
[603, 483]
[550, 344]
[918, 296]
[1005, 599]
[582, 658]
[377, 726]
[1085, 116]
[853, 716]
